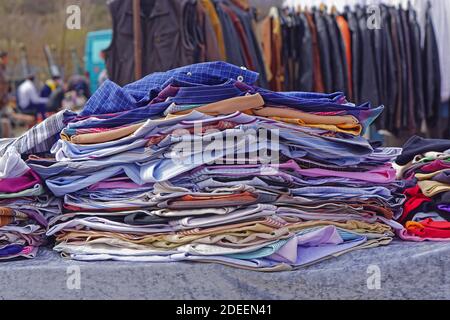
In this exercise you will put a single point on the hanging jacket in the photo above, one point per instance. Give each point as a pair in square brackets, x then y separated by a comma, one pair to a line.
[432, 72]
[208, 6]
[410, 107]
[164, 39]
[389, 82]
[397, 40]
[347, 41]
[336, 54]
[208, 44]
[233, 51]
[356, 53]
[369, 88]
[318, 78]
[324, 48]
[305, 56]
[416, 56]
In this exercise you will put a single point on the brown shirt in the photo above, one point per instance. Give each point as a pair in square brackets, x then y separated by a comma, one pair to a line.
[318, 78]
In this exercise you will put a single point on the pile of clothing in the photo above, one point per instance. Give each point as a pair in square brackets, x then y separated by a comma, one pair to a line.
[425, 164]
[200, 164]
[24, 209]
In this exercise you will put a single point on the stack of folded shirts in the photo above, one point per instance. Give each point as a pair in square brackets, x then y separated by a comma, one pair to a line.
[24, 209]
[425, 165]
[214, 169]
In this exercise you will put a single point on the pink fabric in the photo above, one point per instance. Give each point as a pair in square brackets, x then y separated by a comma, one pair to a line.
[434, 166]
[385, 174]
[13, 185]
[406, 236]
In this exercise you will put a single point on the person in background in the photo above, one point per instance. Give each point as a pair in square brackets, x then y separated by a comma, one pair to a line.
[5, 122]
[4, 85]
[29, 99]
[50, 86]
[53, 90]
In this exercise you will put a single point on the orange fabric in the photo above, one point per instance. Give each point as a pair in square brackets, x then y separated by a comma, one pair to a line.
[347, 37]
[4, 221]
[265, 29]
[277, 45]
[212, 13]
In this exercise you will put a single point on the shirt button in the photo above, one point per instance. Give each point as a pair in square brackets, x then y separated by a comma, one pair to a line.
[243, 68]
[189, 74]
[240, 79]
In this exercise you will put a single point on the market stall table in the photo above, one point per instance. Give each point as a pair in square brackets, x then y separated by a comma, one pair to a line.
[407, 271]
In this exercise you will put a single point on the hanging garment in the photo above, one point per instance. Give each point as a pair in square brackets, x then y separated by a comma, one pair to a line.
[416, 56]
[432, 71]
[165, 41]
[208, 6]
[324, 49]
[317, 68]
[368, 90]
[356, 53]
[347, 41]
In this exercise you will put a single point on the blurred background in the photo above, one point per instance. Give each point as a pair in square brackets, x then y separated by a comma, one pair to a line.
[295, 45]
[35, 23]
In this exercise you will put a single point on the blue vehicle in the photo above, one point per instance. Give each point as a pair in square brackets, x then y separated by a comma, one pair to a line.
[96, 42]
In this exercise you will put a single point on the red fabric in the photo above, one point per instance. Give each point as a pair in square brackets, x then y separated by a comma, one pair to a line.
[430, 229]
[415, 198]
[434, 166]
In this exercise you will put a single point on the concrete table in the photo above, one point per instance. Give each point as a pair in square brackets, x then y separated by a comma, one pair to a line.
[399, 271]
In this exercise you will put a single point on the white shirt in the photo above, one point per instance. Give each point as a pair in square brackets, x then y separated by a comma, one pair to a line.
[27, 94]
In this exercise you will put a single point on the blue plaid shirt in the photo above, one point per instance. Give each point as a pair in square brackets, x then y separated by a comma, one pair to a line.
[111, 98]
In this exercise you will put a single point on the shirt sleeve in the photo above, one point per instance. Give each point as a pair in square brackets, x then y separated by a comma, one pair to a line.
[35, 98]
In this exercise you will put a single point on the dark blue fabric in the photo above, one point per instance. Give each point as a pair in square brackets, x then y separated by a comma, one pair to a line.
[125, 117]
[111, 98]
[11, 250]
[205, 94]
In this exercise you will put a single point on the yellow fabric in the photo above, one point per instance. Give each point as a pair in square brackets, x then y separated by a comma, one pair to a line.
[172, 240]
[352, 225]
[432, 188]
[308, 118]
[64, 136]
[51, 84]
[354, 129]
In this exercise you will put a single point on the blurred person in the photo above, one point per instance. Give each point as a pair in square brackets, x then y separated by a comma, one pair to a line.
[4, 85]
[29, 99]
[79, 84]
[54, 91]
[5, 122]
[8, 117]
